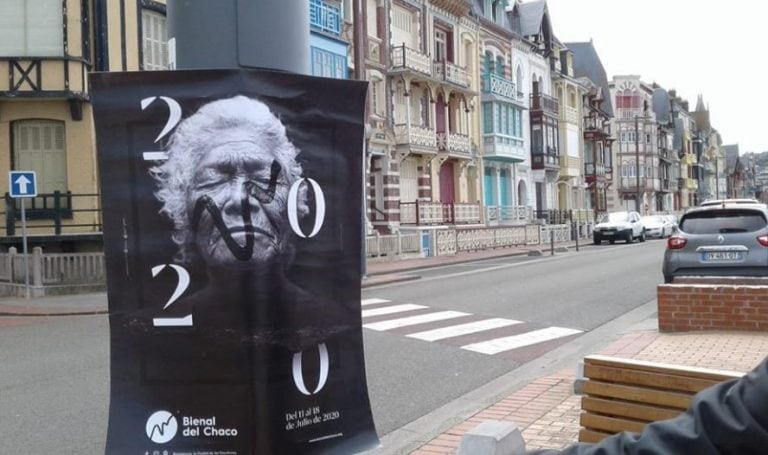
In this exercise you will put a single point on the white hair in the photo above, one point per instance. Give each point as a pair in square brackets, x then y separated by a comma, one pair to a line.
[247, 119]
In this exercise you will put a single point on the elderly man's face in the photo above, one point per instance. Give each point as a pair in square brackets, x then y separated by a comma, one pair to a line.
[237, 206]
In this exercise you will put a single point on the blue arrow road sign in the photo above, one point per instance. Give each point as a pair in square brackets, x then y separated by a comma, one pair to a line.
[22, 183]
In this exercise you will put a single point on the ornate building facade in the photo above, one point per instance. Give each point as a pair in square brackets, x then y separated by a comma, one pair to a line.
[46, 124]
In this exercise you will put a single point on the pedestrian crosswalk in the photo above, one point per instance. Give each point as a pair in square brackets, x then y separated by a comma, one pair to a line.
[490, 336]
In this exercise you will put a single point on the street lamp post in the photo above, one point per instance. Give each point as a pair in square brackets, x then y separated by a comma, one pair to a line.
[637, 166]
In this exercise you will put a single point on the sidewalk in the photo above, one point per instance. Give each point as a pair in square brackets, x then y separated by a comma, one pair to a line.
[384, 271]
[547, 411]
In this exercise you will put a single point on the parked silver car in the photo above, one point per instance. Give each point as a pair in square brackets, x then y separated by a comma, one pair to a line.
[728, 239]
[614, 226]
[658, 226]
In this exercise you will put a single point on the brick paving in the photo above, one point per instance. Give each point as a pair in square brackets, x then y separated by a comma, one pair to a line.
[547, 411]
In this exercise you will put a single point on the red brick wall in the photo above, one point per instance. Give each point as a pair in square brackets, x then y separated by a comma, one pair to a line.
[691, 307]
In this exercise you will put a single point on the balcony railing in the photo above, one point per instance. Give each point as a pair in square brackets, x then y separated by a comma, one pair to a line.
[689, 159]
[630, 113]
[549, 160]
[684, 183]
[646, 184]
[453, 143]
[500, 86]
[570, 115]
[415, 135]
[595, 170]
[596, 125]
[44, 77]
[504, 148]
[427, 213]
[452, 73]
[546, 103]
[325, 17]
[54, 214]
[404, 57]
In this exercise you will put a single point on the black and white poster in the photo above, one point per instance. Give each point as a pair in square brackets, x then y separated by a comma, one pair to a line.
[232, 233]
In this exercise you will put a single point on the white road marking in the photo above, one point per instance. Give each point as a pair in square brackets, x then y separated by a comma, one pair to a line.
[372, 301]
[518, 341]
[391, 309]
[413, 320]
[463, 329]
[186, 321]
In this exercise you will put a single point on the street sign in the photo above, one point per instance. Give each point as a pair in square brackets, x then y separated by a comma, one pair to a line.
[22, 183]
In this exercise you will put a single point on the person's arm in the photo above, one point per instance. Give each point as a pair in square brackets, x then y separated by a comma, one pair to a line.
[728, 418]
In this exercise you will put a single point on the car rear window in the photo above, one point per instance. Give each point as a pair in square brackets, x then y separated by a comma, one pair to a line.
[723, 221]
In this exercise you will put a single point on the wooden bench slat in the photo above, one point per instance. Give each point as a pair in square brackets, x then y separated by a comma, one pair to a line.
[610, 424]
[635, 394]
[637, 411]
[625, 394]
[655, 367]
[664, 381]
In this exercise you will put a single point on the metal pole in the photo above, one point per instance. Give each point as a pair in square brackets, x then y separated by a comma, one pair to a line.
[551, 241]
[24, 247]
[637, 166]
[717, 180]
[249, 34]
[578, 229]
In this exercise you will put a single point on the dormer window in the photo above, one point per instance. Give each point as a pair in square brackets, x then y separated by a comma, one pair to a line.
[497, 11]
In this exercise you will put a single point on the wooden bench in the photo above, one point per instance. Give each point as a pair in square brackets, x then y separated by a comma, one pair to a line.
[625, 395]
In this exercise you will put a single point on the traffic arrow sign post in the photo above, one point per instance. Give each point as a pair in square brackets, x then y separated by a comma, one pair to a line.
[23, 184]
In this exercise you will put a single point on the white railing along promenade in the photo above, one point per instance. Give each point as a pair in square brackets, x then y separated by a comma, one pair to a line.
[53, 268]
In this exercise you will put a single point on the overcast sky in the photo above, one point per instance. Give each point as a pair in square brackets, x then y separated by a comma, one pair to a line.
[717, 49]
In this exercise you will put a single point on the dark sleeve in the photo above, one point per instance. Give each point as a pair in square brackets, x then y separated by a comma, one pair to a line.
[728, 418]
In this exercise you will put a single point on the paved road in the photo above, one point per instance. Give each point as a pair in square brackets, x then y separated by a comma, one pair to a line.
[551, 297]
[54, 375]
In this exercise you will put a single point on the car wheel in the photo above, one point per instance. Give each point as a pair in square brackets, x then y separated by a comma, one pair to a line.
[642, 236]
[668, 279]
[613, 241]
[630, 238]
[597, 241]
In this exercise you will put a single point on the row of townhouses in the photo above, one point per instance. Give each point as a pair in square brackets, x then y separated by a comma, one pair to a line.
[477, 114]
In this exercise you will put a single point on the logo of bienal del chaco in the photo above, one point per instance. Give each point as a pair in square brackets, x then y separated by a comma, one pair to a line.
[161, 427]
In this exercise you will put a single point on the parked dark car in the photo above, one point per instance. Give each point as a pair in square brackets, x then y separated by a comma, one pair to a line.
[726, 239]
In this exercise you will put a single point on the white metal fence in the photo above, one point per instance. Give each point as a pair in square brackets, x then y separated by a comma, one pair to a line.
[391, 245]
[53, 269]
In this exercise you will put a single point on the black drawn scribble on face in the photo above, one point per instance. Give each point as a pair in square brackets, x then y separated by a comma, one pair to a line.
[250, 188]
[265, 196]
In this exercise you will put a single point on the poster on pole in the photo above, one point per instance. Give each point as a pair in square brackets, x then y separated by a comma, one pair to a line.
[232, 235]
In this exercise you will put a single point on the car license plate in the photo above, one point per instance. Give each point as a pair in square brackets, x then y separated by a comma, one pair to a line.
[608, 232]
[722, 256]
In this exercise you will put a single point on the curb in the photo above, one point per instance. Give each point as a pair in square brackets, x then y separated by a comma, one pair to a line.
[459, 258]
[26, 313]
[378, 280]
